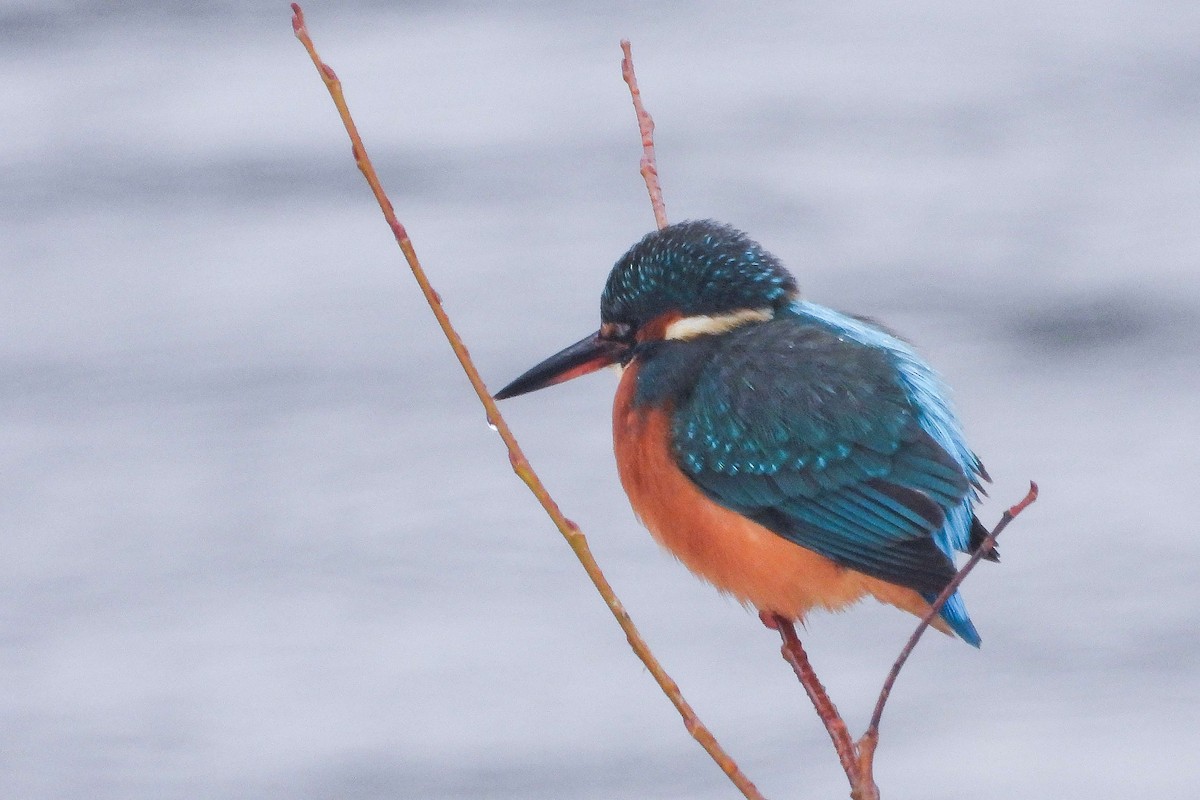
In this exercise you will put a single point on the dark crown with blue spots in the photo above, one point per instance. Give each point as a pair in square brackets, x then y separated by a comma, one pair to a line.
[699, 267]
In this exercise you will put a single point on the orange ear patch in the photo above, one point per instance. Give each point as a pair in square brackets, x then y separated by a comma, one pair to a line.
[656, 329]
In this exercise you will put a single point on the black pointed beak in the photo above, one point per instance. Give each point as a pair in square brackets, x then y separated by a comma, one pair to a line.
[587, 355]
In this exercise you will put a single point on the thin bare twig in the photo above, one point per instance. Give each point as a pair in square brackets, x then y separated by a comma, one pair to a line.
[520, 464]
[649, 163]
[936, 606]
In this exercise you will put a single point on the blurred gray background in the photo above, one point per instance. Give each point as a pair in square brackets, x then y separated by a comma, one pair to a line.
[257, 541]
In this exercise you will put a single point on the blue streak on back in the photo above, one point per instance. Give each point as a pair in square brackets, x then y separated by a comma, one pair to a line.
[930, 397]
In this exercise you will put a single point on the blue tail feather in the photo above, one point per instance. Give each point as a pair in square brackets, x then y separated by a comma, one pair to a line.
[954, 612]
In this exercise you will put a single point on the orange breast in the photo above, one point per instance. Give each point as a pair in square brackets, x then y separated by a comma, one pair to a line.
[729, 551]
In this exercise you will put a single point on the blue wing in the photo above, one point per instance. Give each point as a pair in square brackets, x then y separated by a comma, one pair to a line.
[835, 435]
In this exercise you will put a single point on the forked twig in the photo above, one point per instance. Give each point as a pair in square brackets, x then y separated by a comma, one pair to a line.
[520, 464]
[858, 758]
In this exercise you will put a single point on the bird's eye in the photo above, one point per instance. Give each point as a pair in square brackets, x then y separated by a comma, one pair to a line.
[617, 331]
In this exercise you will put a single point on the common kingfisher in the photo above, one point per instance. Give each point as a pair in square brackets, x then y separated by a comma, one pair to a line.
[792, 456]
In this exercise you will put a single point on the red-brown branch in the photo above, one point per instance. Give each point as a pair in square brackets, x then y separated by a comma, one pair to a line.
[649, 163]
[520, 464]
[793, 653]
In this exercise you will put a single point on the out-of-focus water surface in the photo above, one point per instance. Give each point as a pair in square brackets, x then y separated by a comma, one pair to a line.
[257, 541]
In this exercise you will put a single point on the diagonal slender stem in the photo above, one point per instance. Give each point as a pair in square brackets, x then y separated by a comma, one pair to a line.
[570, 531]
[955, 582]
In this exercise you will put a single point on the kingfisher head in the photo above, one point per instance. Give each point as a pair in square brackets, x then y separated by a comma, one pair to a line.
[698, 278]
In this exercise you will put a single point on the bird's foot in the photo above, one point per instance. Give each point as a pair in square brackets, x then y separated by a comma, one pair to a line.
[771, 619]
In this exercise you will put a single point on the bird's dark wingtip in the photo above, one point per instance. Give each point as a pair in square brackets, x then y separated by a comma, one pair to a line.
[978, 534]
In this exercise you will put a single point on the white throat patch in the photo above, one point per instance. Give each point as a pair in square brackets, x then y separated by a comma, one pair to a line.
[691, 327]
